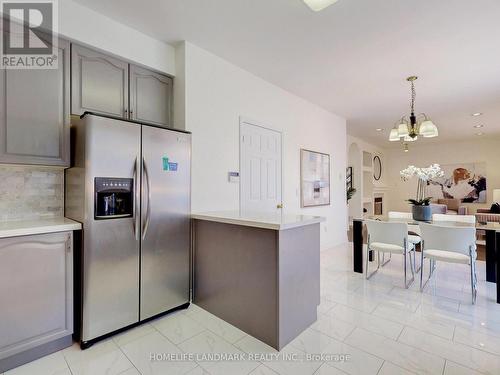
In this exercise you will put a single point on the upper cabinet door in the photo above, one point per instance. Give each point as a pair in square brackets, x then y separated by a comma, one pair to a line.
[99, 83]
[150, 96]
[34, 113]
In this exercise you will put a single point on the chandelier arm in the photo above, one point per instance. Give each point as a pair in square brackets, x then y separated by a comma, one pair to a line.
[413, 97]
[424, 116]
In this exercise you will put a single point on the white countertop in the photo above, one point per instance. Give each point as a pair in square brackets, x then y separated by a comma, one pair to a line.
[259, 220]
[16, 228]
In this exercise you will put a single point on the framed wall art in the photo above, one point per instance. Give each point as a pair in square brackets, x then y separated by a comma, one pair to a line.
[464, 181]
[315, 178]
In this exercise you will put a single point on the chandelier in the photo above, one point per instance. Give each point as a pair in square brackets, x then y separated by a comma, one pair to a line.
[407, 129]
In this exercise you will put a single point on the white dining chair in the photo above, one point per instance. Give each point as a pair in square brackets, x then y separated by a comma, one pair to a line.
[469, 219]
[413, 238]
[389, 237]
[451, 245]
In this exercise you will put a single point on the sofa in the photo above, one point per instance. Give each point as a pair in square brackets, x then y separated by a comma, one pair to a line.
[484, 215]
[452, 207]
[438, 208]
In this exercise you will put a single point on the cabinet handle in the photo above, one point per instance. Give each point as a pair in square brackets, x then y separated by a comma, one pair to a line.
[131, 114]
[126, 113]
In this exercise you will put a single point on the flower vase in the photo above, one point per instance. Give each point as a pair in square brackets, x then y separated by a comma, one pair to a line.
[422, 213]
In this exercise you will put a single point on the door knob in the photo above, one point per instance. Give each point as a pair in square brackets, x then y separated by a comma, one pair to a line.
[280, 205]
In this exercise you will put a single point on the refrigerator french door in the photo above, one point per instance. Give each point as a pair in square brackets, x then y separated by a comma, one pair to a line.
[129, 185]
[165, 232]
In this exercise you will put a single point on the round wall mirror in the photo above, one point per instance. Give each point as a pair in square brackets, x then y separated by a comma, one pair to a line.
[377, 168]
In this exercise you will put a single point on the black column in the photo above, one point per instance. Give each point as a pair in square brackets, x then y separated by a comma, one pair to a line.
[490, 256]
[497, 263]
[357, 242]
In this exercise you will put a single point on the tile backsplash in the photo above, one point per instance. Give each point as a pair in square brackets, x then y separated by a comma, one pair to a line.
[30, 192]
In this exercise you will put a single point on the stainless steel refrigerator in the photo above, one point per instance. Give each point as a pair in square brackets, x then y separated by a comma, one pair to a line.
[129, 185]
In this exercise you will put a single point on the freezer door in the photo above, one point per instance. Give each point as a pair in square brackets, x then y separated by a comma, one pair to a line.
[166, 179]
[111, 247]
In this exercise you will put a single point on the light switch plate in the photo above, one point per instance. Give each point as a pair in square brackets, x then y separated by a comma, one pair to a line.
[233, 177]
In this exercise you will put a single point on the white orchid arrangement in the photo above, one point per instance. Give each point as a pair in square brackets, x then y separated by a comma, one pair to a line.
[424, 175]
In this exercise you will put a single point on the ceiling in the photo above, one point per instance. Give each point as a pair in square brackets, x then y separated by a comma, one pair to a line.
[351, 58]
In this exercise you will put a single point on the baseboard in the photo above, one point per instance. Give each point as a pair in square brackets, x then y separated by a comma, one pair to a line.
[35, 353]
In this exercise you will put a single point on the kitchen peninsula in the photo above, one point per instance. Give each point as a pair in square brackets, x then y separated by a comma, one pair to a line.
[259, 272]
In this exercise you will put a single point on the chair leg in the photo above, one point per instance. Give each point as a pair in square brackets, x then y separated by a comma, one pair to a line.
[366, 260]
[431, 272]
[415, 259]
[473, 279]
[421, 272]
[406, 252]
[388, 260]
[413, 264]
[410, 282]
[369, 275]
[404, 257]
[421, 266]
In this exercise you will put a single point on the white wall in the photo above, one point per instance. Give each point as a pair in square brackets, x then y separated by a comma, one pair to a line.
[217, 93]
[374, 150]
[355, 148]
[355, 206]
[180, 87]
[86, 26]
[422, 155]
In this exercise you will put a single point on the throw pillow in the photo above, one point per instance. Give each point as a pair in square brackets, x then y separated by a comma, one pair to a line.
[495, 208]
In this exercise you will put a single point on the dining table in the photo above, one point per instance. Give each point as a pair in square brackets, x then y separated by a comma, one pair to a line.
[492, 243]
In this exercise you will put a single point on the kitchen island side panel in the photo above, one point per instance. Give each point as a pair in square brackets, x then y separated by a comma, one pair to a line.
[299, 280]
[235, 276]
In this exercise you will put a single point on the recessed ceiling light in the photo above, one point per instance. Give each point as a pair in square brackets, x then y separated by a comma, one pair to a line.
[479, 134]
[479, 126]
[477, 114]
[318, 5]
[379, 129]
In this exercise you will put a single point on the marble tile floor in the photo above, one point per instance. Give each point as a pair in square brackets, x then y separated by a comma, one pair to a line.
[363, 327]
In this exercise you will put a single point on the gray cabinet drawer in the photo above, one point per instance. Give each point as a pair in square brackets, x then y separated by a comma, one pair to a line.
[36, 290]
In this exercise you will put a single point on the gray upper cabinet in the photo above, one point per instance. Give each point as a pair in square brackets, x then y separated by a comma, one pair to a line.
[99, 83]
[35, 113]
[36, 289]
[150, 96]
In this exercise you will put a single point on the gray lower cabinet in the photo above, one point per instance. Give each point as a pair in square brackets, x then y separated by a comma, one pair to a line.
[35, 117]
[99, 83]
[36, 294]
[150, 96]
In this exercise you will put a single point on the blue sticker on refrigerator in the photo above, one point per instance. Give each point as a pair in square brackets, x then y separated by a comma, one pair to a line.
[168, 165]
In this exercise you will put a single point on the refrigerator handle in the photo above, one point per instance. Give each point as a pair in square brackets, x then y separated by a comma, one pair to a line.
[148, 207]
[136, 201]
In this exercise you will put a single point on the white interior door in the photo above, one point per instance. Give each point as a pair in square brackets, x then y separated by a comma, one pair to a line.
[260, 169]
